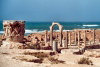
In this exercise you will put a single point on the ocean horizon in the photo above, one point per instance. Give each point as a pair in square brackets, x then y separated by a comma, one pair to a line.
[35, 27]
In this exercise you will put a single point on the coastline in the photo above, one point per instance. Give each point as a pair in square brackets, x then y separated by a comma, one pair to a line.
[37, 49]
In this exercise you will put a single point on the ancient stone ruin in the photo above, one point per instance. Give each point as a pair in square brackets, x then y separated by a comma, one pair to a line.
[14, 37]
[13, 32]
[51, 33]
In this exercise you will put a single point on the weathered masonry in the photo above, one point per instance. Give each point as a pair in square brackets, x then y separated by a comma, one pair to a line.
[14, 30]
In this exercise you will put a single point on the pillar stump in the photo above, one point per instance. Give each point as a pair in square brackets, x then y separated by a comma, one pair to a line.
[64, 43]
[55, 46]
[78, 39]
[70, 38]
[46, 35]
[13, 32]
[84, 38]
[93, 36]
[66, 40]
[75, 35]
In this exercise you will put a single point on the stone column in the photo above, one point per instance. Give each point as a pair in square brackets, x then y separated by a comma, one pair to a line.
[55, 47]
[46, 33]
[60, 36]
[64, 43]
[89, 42]
[66, 39]
[14, 30]
[75, 38]
[51, 35]
[84, 38]
[70, 38]
[93, 36]
[79, 39]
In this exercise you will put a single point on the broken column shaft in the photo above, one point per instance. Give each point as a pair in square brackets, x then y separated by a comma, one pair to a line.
[46, 33]
[55, 47]
[84, 38]
[93, 36]
[79, 39]
[66, 39]
[70, 38]
[75, 38]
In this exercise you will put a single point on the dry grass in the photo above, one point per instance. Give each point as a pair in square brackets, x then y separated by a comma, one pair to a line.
[5, 53]
[94, 55]
[32, 60]
[0, 40]
[40, 55]
[34, 46]
[55, 61]
[22, 58]
[85, 61]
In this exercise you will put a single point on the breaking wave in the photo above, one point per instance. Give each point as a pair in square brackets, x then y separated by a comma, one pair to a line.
[28, 31]
[1, 31]
[33, 31]
[91, 25]
[37, 31]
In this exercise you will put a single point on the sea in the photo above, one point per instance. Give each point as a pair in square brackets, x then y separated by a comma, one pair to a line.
[37, 27]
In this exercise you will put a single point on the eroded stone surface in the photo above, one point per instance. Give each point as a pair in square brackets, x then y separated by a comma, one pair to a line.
[14, 30]
[13, 34]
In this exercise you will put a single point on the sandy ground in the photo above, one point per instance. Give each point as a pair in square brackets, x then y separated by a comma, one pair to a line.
[6, 59]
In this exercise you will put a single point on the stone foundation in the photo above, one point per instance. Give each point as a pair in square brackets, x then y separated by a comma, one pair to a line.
[13, 45]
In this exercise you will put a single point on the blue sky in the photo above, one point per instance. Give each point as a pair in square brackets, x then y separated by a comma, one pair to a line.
[50, 10]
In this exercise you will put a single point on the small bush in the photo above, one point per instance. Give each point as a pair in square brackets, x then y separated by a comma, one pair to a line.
[32, 60]
[85, 61]
[0, 43]
[5, 53]
[55, 61]
[35, 46]
[40, 55]
[28, 60]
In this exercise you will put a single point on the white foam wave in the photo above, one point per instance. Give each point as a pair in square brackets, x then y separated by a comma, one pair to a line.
[63, 30]
[33, 31]
[1, 31]
[91, 25]
[28, 31]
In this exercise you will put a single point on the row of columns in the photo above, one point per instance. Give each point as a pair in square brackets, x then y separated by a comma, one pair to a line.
[68, 34]
[77, 36]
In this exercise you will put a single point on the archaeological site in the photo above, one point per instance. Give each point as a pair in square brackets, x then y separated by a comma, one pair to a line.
[50, 48]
